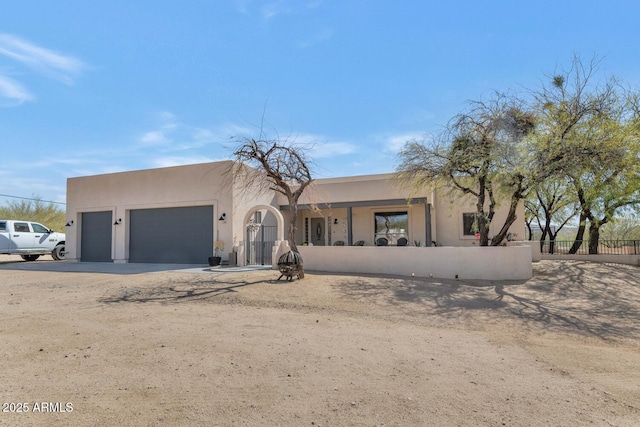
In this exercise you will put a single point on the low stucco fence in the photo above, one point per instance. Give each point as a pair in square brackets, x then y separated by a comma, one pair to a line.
[480, 263]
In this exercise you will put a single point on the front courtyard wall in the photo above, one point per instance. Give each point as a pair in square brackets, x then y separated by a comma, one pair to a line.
[463, 263]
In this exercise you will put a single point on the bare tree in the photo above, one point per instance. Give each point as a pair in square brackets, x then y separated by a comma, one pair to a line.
[277, 165]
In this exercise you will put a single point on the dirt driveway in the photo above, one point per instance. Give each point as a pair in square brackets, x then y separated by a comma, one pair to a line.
[241, 349]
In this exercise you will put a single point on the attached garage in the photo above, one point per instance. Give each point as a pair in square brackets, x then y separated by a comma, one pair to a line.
[181, 235]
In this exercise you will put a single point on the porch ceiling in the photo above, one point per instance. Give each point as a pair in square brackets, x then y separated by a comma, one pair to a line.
[363, 203]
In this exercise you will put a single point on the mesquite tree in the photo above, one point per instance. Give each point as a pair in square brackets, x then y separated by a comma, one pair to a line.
[589, 136]
[480, 154]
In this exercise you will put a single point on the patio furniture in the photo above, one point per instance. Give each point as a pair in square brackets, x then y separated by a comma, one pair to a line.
[402, 241]
[359, 243]
[290, 264]
[382, 241]
[338, 243]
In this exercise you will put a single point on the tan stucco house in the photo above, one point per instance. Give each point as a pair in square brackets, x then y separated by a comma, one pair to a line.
[174, 215]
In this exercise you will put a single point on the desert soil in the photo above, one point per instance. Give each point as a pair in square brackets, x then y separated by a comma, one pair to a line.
[226, 348]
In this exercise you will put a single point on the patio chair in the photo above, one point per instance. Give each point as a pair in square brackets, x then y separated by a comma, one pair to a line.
[359, 243]
[338, 243]
[382, 241]
[402, 241]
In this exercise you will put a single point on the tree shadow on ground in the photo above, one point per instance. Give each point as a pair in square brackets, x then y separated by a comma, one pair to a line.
[177, 291]
[598, 300]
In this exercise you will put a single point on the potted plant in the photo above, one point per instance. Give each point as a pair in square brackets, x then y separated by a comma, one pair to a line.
[218, 247]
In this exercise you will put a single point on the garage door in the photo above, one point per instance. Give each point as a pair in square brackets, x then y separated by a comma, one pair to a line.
[95, 242]
[181, 235]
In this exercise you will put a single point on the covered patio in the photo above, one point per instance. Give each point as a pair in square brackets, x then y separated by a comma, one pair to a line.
[387, 222]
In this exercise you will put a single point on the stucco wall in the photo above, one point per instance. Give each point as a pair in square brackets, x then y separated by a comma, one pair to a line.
[480, 263]
[447, 216]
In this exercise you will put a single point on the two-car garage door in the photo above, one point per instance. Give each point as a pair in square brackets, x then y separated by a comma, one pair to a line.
[171, 235]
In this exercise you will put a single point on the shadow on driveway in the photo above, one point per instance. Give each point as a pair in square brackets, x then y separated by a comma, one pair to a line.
[117, 268]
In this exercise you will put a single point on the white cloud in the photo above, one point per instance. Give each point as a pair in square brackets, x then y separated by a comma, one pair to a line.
[161, 135]
[331, 149]
[156, 137]
[241, 6]
[314, 4]
[163, 162]
[319, 147]
[13, 90]
[273, 9]
[319, 36]
[61, 67]
[394, 143]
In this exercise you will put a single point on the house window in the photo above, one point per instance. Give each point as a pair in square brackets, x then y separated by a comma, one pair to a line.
[391, 226]
[469, 224]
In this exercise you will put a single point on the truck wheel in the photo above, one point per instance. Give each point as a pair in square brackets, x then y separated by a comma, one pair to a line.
[58, 252]
[30, 257]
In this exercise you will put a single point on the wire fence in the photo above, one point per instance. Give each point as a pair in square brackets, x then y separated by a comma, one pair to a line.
[605, 247]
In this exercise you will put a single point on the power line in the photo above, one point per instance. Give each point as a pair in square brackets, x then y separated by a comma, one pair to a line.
[31, 198]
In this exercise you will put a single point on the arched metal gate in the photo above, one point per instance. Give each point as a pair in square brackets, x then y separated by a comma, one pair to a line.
[259, 244]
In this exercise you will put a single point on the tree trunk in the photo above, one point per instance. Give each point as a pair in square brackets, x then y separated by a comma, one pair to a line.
[528, 224]
[580, 235]
[594, 238]
[293, 218]
[511, 218]
[483, 227]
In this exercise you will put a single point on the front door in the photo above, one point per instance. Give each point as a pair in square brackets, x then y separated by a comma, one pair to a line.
[317, 231]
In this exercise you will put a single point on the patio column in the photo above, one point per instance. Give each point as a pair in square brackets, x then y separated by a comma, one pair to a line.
[349, 228]
[427, 220]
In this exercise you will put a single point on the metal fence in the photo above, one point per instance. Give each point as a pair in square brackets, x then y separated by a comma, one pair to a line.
[605, 247]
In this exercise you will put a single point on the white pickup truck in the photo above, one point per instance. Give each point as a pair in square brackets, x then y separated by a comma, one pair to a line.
[30, 240]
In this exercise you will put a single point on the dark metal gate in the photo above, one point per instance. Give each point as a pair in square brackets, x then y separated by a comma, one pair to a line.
[260, 242]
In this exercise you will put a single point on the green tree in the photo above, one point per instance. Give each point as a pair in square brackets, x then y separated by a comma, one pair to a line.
[552, 205]
[483, 153]
[36, 210]
[588, 135]
[623, 228]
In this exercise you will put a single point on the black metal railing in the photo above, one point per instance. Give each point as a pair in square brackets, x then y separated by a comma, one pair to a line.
[605, 247]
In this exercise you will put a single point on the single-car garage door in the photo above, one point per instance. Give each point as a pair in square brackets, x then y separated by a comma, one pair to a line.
[181, 235]
[95, 242]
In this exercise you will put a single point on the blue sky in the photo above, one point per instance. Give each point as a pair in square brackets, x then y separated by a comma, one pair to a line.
[91, 87]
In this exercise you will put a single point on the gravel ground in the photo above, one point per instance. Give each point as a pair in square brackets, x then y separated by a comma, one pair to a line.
[243, 349]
